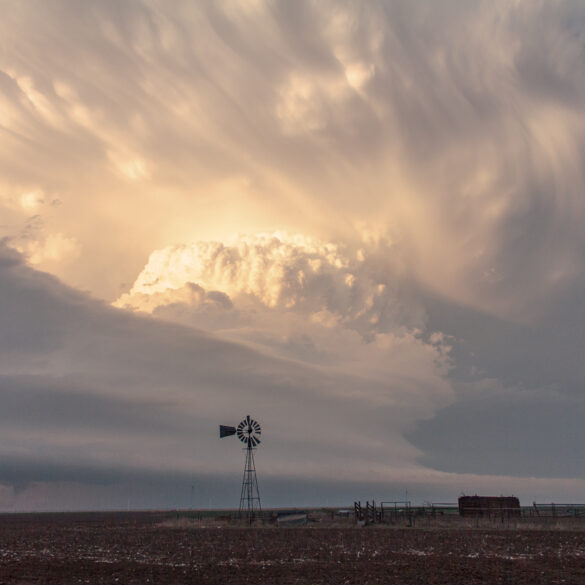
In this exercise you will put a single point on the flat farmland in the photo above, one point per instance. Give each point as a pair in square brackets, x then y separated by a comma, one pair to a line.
[159, 548]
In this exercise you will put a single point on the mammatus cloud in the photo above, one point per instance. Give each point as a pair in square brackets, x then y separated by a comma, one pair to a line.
[455, 130]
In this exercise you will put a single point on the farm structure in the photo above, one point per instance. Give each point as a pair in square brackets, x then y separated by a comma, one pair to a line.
[471, 507]
[385, 512]
[489, 507]
[553, 510]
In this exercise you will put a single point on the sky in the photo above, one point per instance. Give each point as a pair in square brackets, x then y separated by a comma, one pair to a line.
[361, 223]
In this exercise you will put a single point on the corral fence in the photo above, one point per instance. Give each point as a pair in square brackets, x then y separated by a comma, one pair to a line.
[403, 513]
[389, 512]
[553, 510]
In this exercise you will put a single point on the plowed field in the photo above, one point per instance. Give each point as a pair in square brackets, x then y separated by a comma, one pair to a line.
[147, 548]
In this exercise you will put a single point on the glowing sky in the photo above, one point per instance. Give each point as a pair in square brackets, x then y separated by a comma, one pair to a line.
[360, 222]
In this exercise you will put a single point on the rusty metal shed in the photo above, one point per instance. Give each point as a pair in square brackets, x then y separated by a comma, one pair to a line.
[489, 506]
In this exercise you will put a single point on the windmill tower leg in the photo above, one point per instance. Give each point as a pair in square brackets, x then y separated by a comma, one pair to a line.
[250, 494]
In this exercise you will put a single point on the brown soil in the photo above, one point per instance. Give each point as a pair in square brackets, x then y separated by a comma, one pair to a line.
[142, 548]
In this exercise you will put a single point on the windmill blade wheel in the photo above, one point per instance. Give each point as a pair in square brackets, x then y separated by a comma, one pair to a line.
[249, 431]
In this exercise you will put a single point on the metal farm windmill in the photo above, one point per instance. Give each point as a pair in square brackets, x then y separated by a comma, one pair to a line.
[248, 431]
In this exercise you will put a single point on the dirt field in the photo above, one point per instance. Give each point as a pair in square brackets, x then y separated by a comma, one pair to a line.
[142, 548]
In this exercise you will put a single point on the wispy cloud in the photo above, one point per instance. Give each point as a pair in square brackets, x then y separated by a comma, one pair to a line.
[456, 129]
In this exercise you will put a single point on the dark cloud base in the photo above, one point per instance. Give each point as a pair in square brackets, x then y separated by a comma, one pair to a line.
[533, 437]
[519, 387]
[122, 488]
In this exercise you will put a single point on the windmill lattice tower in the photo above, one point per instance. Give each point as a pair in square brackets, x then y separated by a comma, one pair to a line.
[248, 431]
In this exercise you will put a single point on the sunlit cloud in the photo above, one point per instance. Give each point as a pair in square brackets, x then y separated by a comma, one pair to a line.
[319, 282]
[32, 199]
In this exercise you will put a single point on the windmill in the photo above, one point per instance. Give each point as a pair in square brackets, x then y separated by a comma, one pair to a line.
[248, 431]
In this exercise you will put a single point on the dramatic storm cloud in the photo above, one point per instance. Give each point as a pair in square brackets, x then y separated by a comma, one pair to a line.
[361, 222]
[87, 385]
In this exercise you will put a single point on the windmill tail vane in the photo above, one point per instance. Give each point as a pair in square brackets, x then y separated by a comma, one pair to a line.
[225, 431]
